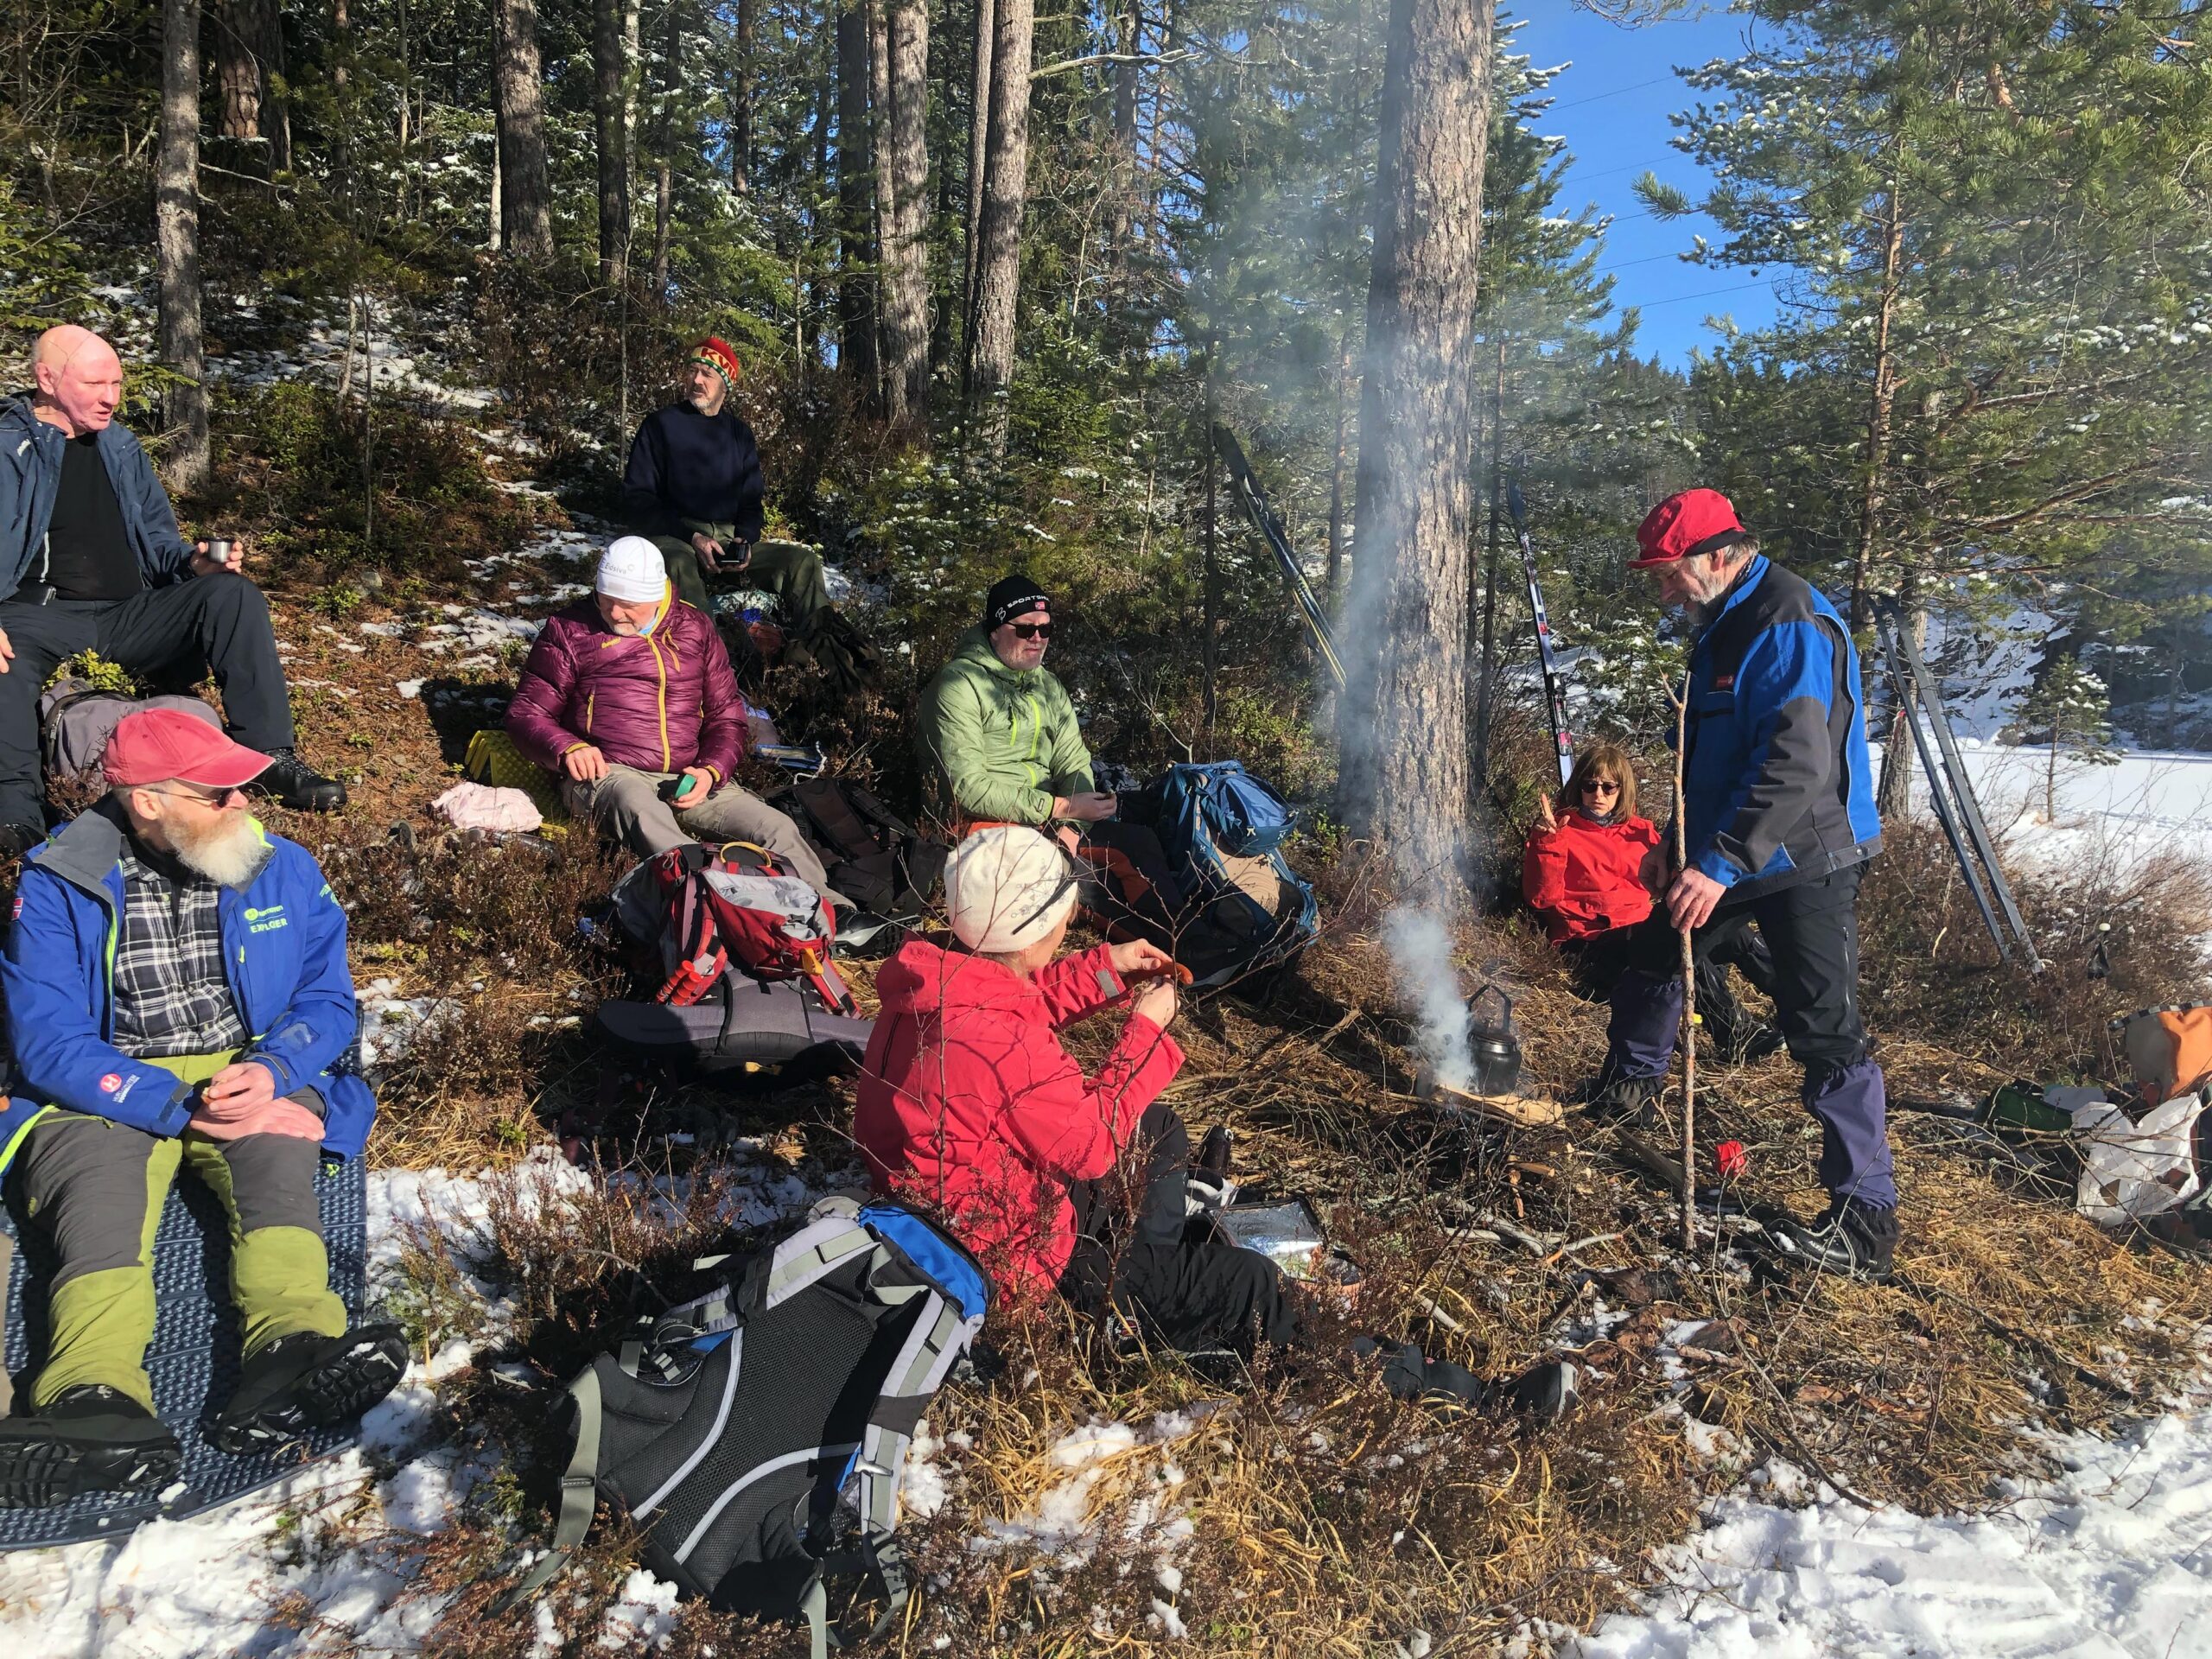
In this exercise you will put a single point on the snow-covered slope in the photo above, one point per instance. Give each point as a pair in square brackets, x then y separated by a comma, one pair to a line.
[2111, 1560]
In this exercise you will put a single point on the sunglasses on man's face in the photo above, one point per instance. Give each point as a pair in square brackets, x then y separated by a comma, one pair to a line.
[204, 797]
[1031, 630]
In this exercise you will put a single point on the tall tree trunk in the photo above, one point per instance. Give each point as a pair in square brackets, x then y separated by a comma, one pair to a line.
[525, 196]
[979, 129]
[1487, 678]
[610, 92]
[903, 160]
[1006, 194]
[1129, 36]
[176, 234]
[1404, 753]
[855, 205]
[671, 78]
[238, 78]
[1332, 580]
[1880, 404]
[249, 56]
[879, 155]
[740, 102]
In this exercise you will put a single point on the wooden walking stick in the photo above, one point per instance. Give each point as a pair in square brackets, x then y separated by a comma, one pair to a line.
[1687, 1042]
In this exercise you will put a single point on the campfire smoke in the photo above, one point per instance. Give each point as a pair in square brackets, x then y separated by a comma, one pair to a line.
[1420, 944]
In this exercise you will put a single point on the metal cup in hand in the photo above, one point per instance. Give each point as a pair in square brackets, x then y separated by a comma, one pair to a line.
[219, 549]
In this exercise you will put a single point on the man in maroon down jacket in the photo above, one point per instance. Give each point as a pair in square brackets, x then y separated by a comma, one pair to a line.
[628, 698]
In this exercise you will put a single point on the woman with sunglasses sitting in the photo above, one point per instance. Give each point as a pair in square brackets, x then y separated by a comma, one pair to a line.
[1584, 875]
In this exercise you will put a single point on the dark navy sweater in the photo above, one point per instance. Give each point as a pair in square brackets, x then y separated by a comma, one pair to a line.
[686, 465]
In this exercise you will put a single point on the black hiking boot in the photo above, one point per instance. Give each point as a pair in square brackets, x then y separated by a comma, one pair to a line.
[1851, 1239]
[305, 1381]
[91, 1438]
[1744, 1040]
[1545, 1392]
[1624, 1102]
[16, 839]
[291, 782]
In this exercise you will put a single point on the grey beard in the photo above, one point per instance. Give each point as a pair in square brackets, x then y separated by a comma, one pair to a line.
[230, 856]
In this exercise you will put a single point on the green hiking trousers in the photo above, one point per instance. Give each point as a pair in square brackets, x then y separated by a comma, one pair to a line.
[789, 570]
[99, 1187]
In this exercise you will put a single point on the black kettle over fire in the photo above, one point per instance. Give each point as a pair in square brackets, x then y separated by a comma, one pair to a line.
[1494, 1047]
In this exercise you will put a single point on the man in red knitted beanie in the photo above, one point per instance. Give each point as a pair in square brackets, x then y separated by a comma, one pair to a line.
[694, 487]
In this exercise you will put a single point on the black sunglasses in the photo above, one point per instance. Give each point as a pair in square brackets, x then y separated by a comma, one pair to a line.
[1031, 630]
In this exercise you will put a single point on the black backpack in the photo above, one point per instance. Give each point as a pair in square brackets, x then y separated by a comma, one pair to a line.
[758, 1434]
[875, 857]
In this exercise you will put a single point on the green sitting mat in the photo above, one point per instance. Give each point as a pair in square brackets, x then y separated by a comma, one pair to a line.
[194, 1360]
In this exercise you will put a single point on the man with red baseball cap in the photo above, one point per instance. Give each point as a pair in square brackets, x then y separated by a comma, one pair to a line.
[177, 993]
[693, 486]
[1778, 813]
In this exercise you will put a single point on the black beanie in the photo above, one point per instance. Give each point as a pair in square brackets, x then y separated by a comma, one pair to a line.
[1010, 596]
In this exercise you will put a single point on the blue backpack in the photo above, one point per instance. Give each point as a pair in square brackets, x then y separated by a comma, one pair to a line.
[1245, 818]
[1222, 831]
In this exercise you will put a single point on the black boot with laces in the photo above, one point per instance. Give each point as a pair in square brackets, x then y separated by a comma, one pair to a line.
[291, 782]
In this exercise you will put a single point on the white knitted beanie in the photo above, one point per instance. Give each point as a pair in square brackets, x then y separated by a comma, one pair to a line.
[632, 572]
[1006, 888]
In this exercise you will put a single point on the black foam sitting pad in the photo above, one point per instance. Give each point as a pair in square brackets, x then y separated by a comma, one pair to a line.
[769, 1024]
[193, 1360]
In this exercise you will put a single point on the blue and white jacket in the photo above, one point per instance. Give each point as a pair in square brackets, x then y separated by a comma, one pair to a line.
[1776, 787]
[283, 952]
[30, 477]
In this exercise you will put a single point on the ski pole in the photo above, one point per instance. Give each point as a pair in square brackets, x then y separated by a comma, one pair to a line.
[1554, 691]
[1689, 1038]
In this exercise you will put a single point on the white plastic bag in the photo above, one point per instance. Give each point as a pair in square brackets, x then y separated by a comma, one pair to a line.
[496, 811]
[2130, 1171]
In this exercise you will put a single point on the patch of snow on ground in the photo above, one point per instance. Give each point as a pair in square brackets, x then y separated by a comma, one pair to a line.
[2111, 1560]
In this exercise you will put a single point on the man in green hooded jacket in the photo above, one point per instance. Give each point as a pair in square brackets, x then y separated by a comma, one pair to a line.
[998, 736]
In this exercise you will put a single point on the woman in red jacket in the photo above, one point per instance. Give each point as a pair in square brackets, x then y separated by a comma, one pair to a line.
[1585, 875]
[970, 1107]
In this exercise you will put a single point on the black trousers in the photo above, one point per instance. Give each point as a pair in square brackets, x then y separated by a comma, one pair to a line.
[1596, 964]
[1813, 930]
[1194, 1295]
[220, 620]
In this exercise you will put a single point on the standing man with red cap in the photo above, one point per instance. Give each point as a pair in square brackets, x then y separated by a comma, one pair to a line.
[1780, 821]
[694, 485]
[177, 995]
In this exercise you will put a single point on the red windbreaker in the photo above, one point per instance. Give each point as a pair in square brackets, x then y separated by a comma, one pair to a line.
[970, 1107]
[1581, 877]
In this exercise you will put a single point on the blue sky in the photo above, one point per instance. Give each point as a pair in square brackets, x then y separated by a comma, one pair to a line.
[1613, 106]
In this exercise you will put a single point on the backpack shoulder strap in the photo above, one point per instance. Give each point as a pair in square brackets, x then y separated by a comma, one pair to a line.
[579, 1493]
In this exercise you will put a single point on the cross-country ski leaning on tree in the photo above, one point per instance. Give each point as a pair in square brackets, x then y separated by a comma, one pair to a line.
[1780, 821]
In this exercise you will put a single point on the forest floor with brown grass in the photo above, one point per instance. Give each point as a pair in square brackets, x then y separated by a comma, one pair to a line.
[1298, 1510]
